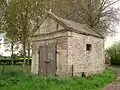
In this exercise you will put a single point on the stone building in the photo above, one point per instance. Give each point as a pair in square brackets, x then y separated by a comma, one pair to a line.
[66, 48]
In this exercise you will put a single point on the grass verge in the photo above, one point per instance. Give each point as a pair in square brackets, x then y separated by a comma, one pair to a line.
[17, 80]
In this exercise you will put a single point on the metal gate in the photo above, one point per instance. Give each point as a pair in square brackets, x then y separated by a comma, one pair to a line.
[47, 60]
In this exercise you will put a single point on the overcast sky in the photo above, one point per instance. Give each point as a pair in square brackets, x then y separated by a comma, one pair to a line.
[112, 39]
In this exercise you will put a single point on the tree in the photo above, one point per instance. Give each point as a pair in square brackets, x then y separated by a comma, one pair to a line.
[2, 9]
[24, 15]
[11, 46]
[100, 15]
[114, 53]
[2, 5]
[10, 30]
[22, 18]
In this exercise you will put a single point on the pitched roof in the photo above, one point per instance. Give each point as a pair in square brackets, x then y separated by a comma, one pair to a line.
[71, 25]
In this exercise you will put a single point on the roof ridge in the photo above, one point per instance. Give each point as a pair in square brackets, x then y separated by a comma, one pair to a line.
[93, 30]
[69, 24]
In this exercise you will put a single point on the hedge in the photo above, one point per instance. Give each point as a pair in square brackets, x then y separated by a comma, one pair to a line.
[14, 61]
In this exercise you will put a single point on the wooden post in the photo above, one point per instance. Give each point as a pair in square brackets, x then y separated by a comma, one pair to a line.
[12, 62]
[56, 52]
[23, 68]
[46, 70]
[46, 63]
[3, 68]
[83, 74]
[72, 70]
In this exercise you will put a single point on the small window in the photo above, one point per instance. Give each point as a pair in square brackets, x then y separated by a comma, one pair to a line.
[88, 47]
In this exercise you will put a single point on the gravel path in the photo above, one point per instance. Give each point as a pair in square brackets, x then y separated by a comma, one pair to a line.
[116, 84]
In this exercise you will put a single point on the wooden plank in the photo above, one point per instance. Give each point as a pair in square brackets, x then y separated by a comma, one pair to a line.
[51, 57]
[47, 60]
[42, 58]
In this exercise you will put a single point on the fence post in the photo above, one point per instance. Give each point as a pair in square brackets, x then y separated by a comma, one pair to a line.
[3, 68]
[23, 67]
[12, 62]
[72, 70]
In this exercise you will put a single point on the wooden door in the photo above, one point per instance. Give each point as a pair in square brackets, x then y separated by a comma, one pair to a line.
[47, 60]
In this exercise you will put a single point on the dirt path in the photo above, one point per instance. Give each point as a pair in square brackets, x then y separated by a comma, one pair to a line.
[116, 84]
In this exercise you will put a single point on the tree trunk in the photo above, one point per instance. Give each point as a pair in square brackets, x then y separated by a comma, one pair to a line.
[12, 51]
[28, 52]
[3, 68]
[24, 54]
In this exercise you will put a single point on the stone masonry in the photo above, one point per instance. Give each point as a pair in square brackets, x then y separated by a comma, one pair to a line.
[72, 57]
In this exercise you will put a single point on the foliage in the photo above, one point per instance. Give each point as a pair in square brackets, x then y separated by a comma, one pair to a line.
[21, 18]
[2, 9]
[29, 82]
[14, 58]
[114, 53]
[1, 56]
[101, 15]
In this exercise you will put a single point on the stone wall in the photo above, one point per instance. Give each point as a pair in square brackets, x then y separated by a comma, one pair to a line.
[49, 33]
[62, 55]
[89, 62]
[35, 58]
[72, 56]
[48, 26]
[62, 61]
[71, 50]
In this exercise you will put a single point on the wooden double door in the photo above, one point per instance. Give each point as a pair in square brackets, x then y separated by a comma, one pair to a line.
[47, 60]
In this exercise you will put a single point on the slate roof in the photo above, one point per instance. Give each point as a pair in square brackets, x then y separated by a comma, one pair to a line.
[73, 26]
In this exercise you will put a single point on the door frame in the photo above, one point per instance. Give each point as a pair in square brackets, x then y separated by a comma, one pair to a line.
[39, 61]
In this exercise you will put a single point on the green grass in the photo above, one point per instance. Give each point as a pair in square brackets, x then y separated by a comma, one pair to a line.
[15, 68]
[14, 79]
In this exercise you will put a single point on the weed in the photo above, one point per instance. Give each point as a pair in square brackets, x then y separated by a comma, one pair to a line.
[17, 80]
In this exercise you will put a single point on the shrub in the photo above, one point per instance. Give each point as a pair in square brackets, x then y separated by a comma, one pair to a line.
[31, 82]
[2, 83]
[13, 80]
[114, 53]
